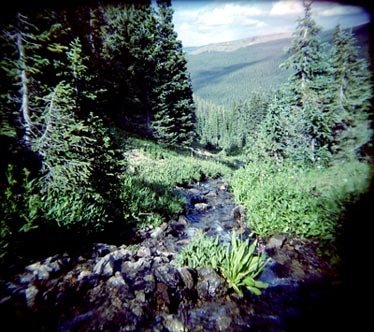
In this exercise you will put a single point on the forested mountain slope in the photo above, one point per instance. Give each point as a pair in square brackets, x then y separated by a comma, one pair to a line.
[237, 70]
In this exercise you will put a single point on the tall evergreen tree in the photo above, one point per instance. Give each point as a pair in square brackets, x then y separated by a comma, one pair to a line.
[307, 90]
[174, 120]
[351, 94]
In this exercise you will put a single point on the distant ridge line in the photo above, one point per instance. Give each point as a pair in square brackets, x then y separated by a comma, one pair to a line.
[234, 45]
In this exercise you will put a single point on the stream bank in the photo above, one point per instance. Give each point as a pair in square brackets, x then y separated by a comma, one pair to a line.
[138, 288]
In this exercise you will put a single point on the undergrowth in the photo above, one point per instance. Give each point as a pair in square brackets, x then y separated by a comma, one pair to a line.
[309, 202]
[154, 172]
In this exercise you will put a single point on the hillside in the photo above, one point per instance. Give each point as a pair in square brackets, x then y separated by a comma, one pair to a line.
[237, 44]
[231, 71]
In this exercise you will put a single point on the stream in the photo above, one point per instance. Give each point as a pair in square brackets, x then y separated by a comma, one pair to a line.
[138, 288]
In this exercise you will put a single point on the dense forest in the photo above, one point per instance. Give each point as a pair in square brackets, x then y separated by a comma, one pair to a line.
[72, 77]
[99, 126]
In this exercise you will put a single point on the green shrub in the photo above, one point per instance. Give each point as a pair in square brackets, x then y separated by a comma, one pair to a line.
[240, 266]
[306, 202]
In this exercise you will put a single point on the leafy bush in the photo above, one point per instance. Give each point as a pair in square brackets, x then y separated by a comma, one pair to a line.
[240, 266]
[237, 263]
[292, 199]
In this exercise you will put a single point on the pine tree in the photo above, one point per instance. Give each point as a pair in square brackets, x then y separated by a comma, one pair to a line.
[351, 94]
[307, 90]
[129, 50]
[174, 120]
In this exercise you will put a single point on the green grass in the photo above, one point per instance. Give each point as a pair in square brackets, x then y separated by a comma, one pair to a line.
[293, 200]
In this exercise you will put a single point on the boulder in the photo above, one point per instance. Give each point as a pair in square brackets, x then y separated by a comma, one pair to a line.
[169, 275]
[210, 284]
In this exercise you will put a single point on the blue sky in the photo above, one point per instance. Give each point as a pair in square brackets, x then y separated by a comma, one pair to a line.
[204, 22]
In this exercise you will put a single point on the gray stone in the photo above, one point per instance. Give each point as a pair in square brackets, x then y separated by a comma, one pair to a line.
[210, 284]
[102, 249]
[104, 266]
[116, 280]
[194, 192]
[156, 233]
[276, 241]
[146, 284]
[187, 277]
[84, 274]
[26, 278]
[40, 271]
[30, 294]
[143, 252]
[182, 220]
[168, 275]
[212, 193]
[201, 207]
[130, 270]
[173, 324]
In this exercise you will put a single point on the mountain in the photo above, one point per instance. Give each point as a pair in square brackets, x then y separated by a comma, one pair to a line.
[230, 71]
[231, 46]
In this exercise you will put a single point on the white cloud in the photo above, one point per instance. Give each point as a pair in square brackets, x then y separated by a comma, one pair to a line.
[286, 7]
[200, 23]
[217, 22]
[341, 10]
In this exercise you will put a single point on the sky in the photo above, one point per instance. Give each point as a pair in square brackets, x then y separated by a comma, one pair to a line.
[205, 22]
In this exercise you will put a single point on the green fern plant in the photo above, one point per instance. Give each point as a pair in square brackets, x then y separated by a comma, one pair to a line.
[202, 252]
[237, 263]
[241, 266]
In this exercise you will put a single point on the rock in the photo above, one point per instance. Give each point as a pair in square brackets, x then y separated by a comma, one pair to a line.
[178, 227]
[116, 280]
[40, 271]
[191, 232]
[168, 275]
[187, 277]
[194, 192]
[223, 187]
[211, 194]
[173, 324]
[276, 241]
[110, 263]
[156, 233]
[76, 322]
[26, 278]
[102, 249]
[143, 252]
[30, 294]
[238, 213]
[201, 207]
[84, 274]
[216, 316]
[147, 284]
[210, 284]
[130, 270]
[104, 266]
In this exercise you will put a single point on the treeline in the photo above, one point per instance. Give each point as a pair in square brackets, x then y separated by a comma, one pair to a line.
[230, 129]
[321, 114]
[69, 77]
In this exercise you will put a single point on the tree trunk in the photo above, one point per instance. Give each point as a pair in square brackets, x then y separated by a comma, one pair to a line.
[24, 91]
